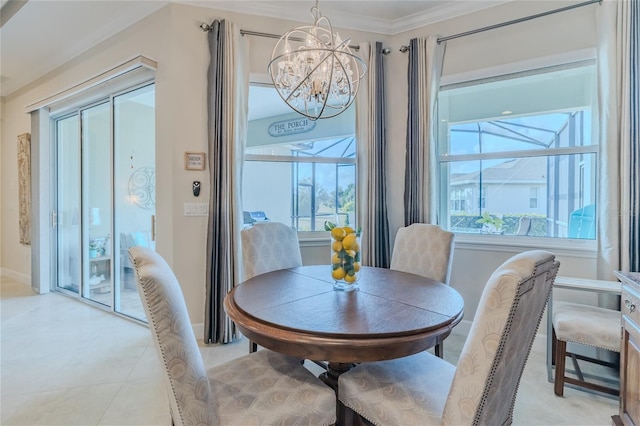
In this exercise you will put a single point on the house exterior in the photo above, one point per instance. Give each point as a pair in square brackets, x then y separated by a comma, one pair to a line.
[516, 186]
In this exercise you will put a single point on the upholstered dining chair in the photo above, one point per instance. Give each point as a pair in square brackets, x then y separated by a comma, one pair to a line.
[583, 325]
[267, 247]
[426, 250]
[424, 389]
[259, 389]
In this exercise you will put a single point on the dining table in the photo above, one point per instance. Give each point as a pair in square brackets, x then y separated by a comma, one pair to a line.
[297, 312]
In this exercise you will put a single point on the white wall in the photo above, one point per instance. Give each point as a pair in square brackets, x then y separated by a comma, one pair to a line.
[16, 257]
[172, 38]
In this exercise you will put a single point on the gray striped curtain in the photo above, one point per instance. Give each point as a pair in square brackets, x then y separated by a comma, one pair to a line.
[227, 121]
[426, 57]
[618, 90]
[634, 136]
[371, 158]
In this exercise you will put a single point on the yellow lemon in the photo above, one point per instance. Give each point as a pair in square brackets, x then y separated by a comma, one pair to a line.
[338, 274]
[338, 233]
[349, 230]
[337, 246]
[349, 242]
[351, 278]
[351, 253]
[356, 266]
[335, 259]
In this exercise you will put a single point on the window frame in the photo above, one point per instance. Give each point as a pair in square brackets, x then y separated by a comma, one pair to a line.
[570, 246]
[307, 238]
[292, 159]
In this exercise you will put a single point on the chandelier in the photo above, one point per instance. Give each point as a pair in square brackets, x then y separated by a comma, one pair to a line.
[314, 71]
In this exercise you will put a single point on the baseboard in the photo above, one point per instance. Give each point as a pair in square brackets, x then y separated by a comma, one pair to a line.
[198, 331]
[17, 276]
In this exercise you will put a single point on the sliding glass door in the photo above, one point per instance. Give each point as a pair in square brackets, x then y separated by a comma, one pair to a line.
[105, 197]
[96, 195]
[134, 188]
[68, 211]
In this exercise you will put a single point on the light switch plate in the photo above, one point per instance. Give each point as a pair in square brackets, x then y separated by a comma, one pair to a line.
[196, 209]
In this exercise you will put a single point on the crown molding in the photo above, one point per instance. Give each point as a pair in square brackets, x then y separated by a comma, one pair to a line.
[258, 8]
[8, 8]
[411, 22]
[303, 16]
[351, 21]
[442, 13]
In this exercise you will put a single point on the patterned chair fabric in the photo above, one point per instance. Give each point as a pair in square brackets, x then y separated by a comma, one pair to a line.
[424, 389]
[425, 250]
[257, 389]
[587, 325]
[269, 246]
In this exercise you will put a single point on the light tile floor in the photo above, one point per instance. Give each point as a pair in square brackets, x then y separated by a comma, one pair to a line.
[64, 362]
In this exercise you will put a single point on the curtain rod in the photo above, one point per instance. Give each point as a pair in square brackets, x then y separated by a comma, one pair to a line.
[207, 27]
[515, 21]
[385, 51]
[267, 35]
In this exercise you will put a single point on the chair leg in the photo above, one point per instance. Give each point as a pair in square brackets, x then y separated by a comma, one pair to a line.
[253, 346]
[439, 350]
[560, 378]
[561, 353]
[553, 346]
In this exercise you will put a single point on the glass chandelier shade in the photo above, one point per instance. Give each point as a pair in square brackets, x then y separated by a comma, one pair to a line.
[314, 70]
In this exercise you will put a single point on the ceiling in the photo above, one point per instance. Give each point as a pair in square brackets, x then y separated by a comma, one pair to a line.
[38, 36]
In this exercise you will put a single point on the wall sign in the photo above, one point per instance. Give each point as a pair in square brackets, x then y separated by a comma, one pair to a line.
[291, 127]
[194, 160]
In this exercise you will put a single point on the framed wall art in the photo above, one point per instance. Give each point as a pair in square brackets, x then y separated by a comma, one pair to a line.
[24, 187]
[194, 160]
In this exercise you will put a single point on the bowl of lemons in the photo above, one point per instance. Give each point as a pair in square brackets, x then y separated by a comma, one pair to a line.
[345, 256]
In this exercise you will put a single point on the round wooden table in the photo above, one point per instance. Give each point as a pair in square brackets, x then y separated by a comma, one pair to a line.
[297, 312]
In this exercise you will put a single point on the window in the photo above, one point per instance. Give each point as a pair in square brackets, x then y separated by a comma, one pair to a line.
[297, 171]
[517, 146]
[533, 197]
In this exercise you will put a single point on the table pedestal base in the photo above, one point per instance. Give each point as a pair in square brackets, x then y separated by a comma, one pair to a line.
[344, 416]
[334, 370]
